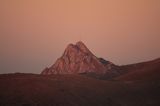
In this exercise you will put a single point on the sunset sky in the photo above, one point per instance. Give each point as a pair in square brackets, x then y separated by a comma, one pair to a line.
[34, 33]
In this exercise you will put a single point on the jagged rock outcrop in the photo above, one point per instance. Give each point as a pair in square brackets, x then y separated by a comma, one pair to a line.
[79, 59]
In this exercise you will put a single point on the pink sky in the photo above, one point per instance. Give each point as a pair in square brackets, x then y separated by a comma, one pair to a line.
[34, 33]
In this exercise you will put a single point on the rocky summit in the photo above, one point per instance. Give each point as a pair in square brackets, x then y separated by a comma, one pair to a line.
[76, 59]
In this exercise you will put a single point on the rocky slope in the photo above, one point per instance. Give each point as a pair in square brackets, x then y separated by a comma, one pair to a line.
[78, 59]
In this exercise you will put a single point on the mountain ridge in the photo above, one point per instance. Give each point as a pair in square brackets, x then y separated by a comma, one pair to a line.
[78, 59]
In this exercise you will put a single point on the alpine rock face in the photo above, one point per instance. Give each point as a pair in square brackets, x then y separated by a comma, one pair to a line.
[78, 59]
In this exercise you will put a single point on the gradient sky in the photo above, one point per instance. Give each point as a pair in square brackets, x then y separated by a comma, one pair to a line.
[34, 33]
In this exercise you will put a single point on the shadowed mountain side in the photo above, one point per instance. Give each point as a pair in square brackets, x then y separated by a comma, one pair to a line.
[140, 71]
[75, 90]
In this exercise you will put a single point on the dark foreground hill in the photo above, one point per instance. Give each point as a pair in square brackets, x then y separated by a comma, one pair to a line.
[75, 90]
[149, 70]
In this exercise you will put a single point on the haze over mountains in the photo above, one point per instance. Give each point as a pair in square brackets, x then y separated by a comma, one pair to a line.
[34, 33]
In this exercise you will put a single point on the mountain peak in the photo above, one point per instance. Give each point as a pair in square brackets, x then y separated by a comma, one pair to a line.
[79, 47]
[82, 47]
[77, 58]
[80, 43]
